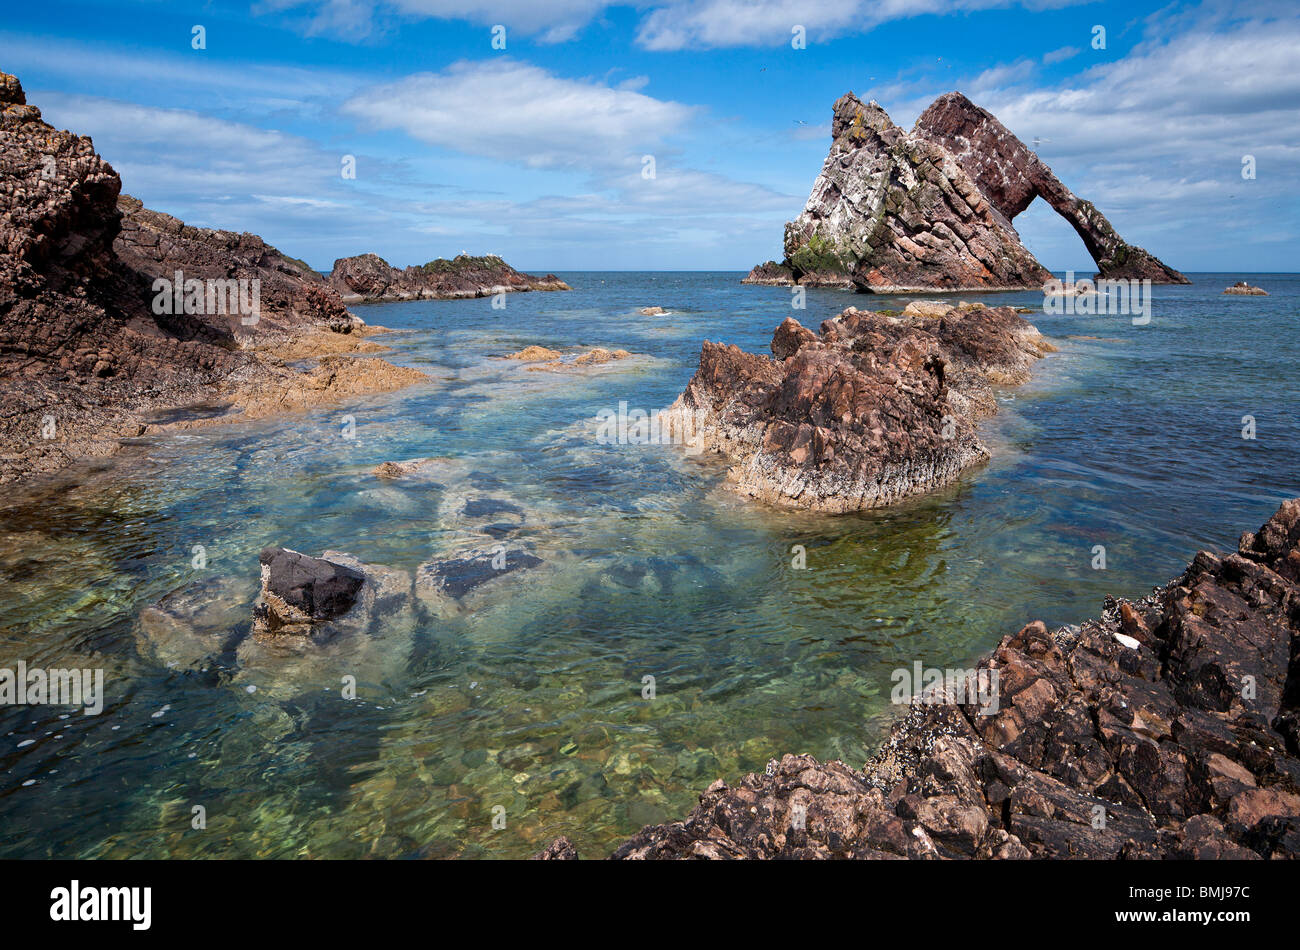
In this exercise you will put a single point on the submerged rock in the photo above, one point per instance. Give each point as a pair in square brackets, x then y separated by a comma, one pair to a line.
[871, 410]
[195, 622]
[597, 356]
[403, 468]
[534, 354]
[364, 630]
[601, 355]
[1081, 288]
[458, 575]
[1241, 288]
[896, 211]
[1183, 746]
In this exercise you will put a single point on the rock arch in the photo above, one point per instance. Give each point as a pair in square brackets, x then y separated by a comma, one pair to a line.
[1010, 175]
[932, 209]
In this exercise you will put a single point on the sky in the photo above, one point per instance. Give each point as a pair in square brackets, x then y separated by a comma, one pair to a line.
[530, 128]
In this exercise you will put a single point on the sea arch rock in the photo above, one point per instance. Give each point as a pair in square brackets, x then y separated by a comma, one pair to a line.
[932, 209]
[1010, 175]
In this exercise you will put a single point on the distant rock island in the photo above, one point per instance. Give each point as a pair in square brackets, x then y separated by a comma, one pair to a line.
[368, 277]
[931, 209]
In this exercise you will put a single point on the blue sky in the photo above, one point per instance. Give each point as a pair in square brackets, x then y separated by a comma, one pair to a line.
[536, 151]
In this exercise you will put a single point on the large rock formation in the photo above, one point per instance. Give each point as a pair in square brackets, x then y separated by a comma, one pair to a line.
[86, 358]
[1011, 176]
[293, 297]
[368, 277]
[1169, 728]
[77, 335]
[871, 410]
[931, 209]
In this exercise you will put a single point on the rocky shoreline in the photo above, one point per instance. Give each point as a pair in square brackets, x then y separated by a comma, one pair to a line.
[1168, 728]
[368, 278]
[871, 410]
[903, 212]
[117, 321]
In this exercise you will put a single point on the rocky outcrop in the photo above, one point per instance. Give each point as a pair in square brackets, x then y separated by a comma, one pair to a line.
[895, 211]
[782, 275]
[771, 273]
[870, 410]
[77, 337]
[87, 355]
[535, 354]
[547, 360]
[1169, 728]
[1243, 289]
[291, 296]
[368, 277]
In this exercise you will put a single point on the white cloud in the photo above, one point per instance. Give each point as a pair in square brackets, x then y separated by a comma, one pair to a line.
[1060, 55]
[554, 21]
[666, 25]
[714, 23]
[519, 113]
[707, 24]
[206, 155]
[259, 87]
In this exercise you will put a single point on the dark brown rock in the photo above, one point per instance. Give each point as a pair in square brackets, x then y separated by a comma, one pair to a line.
[782, 275]
[561, 849]
[77, 336]
[299, 590]
[292, 296]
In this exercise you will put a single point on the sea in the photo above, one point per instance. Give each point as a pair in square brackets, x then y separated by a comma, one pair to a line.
[677, 633]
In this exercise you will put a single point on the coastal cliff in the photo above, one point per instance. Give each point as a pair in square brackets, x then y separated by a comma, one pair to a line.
[1168, 728]
[932, 209]
[870, 410]
[293, 297]
[368, 277]
[91, 350]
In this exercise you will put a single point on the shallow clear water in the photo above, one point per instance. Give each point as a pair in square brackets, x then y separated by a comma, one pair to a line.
[1131, 440]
